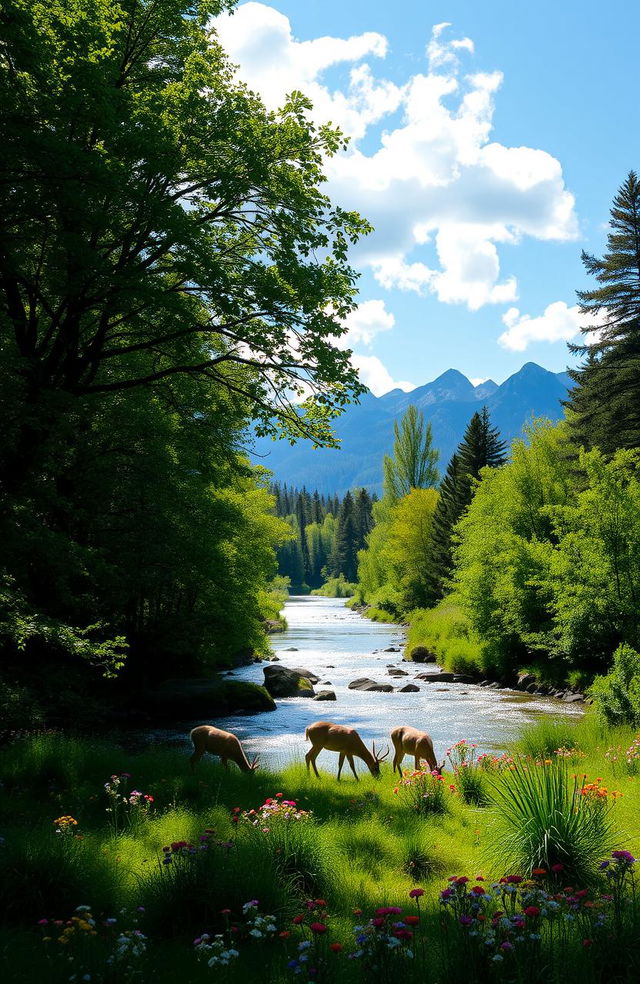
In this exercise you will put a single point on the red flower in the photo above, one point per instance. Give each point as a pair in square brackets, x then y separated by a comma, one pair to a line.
[377, 922]
[318, 927]
[556, 868]
[336, 947]
[462, 880]
[412, 920]
[587, 943]
[531, 911]
[297, 920]
[416, 893]
[357, 912]
[478, 890]
[539, 871]
[278, 795]
[284, 934]
[321, 903]
[225, 912]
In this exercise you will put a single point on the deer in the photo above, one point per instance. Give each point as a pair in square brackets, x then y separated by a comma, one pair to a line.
[346, 741]
[410, 741]
[206, 738]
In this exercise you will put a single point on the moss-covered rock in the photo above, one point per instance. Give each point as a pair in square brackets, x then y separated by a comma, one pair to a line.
[202, 698]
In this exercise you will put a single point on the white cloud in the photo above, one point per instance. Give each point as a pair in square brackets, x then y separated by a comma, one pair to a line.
[440, 193]
[368, 320]
[477, 380]
[376, 376]
[558, 323]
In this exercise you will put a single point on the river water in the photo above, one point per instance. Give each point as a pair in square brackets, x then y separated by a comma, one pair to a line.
[339, 645]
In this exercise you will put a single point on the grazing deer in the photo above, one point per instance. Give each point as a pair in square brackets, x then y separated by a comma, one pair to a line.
[346, 741]
[206, 738]
[410, 741]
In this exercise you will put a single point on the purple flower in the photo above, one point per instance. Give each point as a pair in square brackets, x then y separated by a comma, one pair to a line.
[623, 856]
[466, 921]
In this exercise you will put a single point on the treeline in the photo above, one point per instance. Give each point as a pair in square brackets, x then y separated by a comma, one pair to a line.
[533, 562]
[328, 533]
[170, 272]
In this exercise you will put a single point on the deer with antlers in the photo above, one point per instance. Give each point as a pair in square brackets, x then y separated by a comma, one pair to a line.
[346, 741]
[410, 741]
[206, 738]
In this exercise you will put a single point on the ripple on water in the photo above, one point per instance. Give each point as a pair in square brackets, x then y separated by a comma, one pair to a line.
[323, 631]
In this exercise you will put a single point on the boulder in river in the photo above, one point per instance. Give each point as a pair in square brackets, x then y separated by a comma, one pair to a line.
[395, 672]
[436, 677]
[364, 683]
[420, 654]
[391, 649]
[307, 674]
[325, 695]
[281, 681]
[409, 688]
[201, 698]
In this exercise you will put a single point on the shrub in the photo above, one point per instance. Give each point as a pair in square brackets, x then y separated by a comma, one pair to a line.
[425, 792]
[552, 818]
[617, 695]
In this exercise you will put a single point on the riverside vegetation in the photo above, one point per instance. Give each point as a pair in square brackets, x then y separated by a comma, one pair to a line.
[513, 867]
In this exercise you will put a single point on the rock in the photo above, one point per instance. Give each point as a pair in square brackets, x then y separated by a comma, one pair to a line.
[281, 681]
[274, 659]
[364, 683]
[307, 674]
[572, 698]
[409, 688]
[397, 673]
[330, 666]
[485, 683]
[436, 677]
[325, 695]
[420, 654]
[291, 649]
[203, 698]
[524, 681]
[391, 649]
[326, 683]
[463, 678]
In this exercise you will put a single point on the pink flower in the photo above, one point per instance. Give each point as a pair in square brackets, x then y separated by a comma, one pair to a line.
[318, 927]
[416, 893]
[557, 868]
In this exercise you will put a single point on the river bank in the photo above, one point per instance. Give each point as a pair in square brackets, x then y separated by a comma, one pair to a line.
[337, 645]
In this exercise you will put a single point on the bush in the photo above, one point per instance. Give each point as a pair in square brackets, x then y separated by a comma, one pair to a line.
[552, 818]
[336, 587]
[617, 695]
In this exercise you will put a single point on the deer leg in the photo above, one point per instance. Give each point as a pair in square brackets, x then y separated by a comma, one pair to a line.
[310, 759]
[353, 768]
[417, 761]
[340, 764]
[195, 758]
[397, 759]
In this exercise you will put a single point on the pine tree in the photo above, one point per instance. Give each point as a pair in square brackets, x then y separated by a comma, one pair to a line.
[344, 556]
[480, 447]
[363, 517]
[605, 405]
[414, 461]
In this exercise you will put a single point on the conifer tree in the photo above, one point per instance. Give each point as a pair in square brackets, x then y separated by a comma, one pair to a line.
[480, 447]
[344, 556]
[605, 405]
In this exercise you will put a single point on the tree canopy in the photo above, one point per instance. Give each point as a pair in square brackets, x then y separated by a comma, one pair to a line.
[413, 464]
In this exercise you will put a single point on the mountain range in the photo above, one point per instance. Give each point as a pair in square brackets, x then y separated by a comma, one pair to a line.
[366, 429]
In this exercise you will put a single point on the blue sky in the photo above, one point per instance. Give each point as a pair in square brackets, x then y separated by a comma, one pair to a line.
[488, 138]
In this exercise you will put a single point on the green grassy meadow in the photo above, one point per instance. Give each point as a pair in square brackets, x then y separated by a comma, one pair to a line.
[173, 856]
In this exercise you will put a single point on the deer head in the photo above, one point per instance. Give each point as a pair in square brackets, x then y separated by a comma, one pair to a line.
[377, 759]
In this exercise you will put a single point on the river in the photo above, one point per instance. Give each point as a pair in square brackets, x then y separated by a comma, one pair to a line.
[339, 645]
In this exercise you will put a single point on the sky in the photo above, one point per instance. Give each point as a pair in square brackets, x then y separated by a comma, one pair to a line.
[487, 140]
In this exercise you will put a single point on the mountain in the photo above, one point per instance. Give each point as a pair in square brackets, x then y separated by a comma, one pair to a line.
[366, 429]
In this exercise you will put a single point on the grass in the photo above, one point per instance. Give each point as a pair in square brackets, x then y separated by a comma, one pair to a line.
[363, 847]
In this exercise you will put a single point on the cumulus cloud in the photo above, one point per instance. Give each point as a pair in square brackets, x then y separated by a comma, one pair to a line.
[377, 377]
[368, 320]
[441, 194]
[558, 323]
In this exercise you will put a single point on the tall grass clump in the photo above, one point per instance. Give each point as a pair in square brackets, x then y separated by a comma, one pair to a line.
[551, 817]
[546, 736]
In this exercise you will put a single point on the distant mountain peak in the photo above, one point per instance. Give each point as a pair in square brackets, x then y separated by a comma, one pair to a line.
[448, 403]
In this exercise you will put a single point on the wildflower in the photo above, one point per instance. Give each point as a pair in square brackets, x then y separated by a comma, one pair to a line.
[336, 947]
[532, 911]
[623, 856]
[539, 871]
[587, 943]
[297, 920]
[357, 912]
[557, 868]
[506, 945]
[285, 934]
[412, 920]
[416, 893]
[318, 927]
